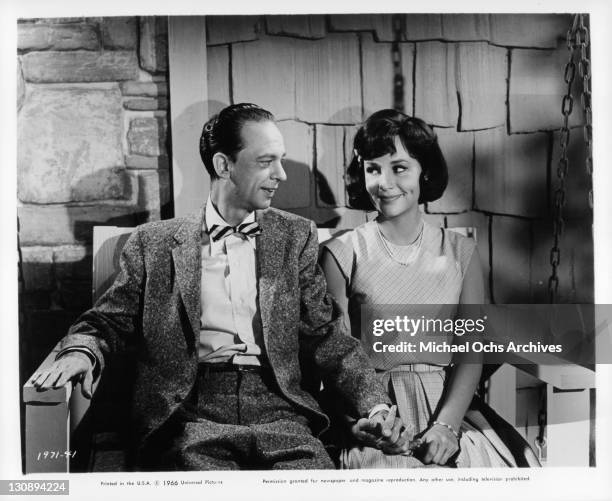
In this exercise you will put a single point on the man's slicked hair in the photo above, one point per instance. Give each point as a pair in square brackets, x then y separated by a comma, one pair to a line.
[223, 132]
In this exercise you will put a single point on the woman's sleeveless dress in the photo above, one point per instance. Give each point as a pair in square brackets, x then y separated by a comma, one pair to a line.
[376, 281]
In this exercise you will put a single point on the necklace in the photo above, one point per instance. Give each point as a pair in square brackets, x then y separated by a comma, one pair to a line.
[402, 254]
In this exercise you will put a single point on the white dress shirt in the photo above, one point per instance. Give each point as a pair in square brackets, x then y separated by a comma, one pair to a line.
[230, 325]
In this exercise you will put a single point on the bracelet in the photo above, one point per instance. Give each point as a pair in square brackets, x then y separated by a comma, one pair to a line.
[457, 434]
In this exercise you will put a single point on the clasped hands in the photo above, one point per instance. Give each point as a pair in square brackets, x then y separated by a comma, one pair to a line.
[386, 431]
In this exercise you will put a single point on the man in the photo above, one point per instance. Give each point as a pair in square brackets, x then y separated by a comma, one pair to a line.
[224, 310]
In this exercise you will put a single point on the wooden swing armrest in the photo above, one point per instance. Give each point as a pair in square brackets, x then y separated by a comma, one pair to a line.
[50, 418]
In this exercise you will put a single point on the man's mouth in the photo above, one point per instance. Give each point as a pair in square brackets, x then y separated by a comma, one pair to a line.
[271, 191]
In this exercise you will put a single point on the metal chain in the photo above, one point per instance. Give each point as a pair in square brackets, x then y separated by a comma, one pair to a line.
[582, 41]
[396, 53]
[567, 105]
[578, 42]
[540, 440]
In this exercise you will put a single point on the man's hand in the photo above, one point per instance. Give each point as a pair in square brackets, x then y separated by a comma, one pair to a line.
[439, 445]
[384, 431]
[72, 366]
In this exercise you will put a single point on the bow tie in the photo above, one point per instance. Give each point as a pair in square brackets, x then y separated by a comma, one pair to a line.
[218, 231]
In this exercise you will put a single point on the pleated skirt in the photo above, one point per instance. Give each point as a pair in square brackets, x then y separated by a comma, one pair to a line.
[417, 391]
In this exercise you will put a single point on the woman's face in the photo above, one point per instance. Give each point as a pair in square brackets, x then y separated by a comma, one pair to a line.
[393, 181]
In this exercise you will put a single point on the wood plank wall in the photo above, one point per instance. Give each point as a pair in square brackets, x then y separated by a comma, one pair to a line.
[490, 84]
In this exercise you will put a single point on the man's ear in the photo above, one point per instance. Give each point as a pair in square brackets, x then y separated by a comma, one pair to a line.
[221, 164]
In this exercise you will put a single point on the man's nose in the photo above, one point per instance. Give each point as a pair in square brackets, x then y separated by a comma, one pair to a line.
[279, 173]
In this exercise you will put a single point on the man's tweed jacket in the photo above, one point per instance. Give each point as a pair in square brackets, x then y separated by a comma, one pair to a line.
[154, 306]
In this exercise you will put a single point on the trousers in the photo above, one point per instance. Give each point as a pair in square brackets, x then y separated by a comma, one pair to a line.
[236, 420]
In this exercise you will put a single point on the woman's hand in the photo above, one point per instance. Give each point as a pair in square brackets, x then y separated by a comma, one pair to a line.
[439, 445]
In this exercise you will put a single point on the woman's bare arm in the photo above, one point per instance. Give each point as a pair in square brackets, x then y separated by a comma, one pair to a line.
[461, 385]
[336, 285]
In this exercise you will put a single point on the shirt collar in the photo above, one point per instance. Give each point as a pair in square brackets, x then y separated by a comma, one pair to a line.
[212, 217]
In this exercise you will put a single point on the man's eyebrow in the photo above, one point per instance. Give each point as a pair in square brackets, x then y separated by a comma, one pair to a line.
[270, 155]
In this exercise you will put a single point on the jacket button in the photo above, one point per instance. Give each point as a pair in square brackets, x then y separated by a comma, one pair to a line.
[178, 398]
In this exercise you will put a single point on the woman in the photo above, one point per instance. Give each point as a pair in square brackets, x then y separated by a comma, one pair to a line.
[399, 259]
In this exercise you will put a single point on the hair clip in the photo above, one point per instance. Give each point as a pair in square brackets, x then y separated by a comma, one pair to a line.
[359, 158]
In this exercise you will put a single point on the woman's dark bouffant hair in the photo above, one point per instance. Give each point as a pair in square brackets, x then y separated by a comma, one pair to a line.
[375, 138]
[222, 132]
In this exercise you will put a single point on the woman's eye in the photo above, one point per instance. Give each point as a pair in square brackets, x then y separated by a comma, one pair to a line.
[371, 169]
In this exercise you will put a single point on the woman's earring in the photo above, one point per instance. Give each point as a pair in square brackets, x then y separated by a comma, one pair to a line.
[425, 177]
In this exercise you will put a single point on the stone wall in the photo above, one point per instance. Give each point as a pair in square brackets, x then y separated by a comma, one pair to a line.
[92, 149]
[491, 85]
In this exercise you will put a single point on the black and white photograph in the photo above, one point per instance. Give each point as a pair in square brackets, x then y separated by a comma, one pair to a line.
[228, 233]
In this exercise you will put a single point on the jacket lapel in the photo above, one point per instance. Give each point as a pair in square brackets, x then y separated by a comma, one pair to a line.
[187, 255]
[270, 251]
